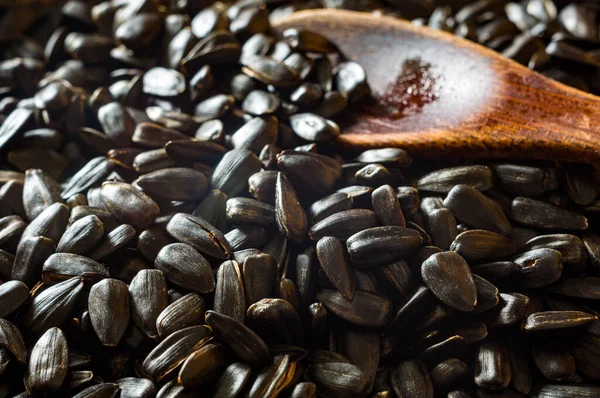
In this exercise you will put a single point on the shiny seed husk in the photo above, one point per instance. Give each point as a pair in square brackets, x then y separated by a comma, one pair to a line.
[539, 267]
[182, 313]
[185, 267]
[81, 236]
[12, 340]
[442, 181]
[31, 254]
[173, 350]
[323, 208]
[343, 224]
[230, 295]
[366, 309]
[202, 366]
[338, 379]
[260, 275]
[199, 234]
[448, 276]
[13, 294]
[289, 214]
[541, 215]
[276, 321]
[380, 245]
[109, 310]
[48, 363]
[482, 245]
[51, 307]
[411, 379]
[132, 387]
[551, 320]
[333, 259]
[62, 266]
[148, 297]
[113, 241]
[232, 381]
[477, 210]
[50, 223]
[245, 344]
[492, 366]
[249, 211]
[232, 173]
[102, 390]
[128, 204]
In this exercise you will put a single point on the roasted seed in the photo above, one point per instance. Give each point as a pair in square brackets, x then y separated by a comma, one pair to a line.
[448, 276]
[109, 310]
[366, 309]
[245, 344]
[48, 363]
[183, 266]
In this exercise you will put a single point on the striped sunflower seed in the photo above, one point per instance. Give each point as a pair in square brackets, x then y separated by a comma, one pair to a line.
[109, 310]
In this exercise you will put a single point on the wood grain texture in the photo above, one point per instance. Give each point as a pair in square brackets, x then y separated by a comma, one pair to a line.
[464, 101]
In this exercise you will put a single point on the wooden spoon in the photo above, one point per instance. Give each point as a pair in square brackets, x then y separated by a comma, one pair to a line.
[436, 94]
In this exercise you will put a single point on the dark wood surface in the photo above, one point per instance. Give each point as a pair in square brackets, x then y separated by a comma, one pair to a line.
[436, 94]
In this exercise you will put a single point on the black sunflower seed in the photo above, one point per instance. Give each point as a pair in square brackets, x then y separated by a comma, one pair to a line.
[245, 344]
[173, 350]
[448, 276]
[48, 363]
[109, 310]
[148, 297]
[366, 309]
[182, 313]
[185, 267]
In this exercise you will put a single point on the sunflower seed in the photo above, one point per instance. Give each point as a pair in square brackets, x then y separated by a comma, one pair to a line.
[475, 209]
[31, 254]
[199, 234]
[260, 276]
[184, 312]
[202, 366]
[113, 241]
[185, 267]
[411, 378]
[81, 236]
[102, 390]
[550, 320]
[59, 267]
[250, 211]
[47, 367]
[11, 339]
[51, 307]
[525, 180]
[232, 381]
[539, 267]
[541, 215]
[131, 387]
[245, 344]
[109, 310]
[492, 366]
[129, 205]
[276, 321]
[448, 276]
[173, 350]
[333, 260]
[39, 192]
[343, 224]
[148, 292]
[442, 181]
[366, 309]
[338, 379]
[482, 245]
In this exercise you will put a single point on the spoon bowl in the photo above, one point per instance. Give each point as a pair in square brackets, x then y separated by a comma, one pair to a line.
[436, 94]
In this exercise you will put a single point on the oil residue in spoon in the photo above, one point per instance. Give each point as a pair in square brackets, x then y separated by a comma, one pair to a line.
[415, 86]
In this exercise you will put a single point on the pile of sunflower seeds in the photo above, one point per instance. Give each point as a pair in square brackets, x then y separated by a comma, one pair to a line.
[175, 224]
